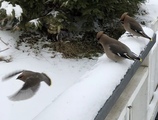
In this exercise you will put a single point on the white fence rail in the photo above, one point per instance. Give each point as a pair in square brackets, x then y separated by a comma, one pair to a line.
[139, 100]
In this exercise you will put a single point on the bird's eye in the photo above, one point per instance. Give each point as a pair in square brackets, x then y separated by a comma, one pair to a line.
[19, 77]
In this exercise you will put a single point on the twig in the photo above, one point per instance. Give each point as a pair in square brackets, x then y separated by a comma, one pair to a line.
[4, 50]
[4, 42]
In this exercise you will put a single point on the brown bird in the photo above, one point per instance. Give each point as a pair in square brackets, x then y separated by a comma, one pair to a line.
[132, 26]
[114, 49]
[31, 83]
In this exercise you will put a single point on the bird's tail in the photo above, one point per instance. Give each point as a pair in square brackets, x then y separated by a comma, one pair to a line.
[138, 58]
[46, 79]
[146, 36]
[11, 74]
[133, 56]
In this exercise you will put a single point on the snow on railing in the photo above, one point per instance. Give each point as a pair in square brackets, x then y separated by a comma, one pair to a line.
[90, 97]
[130, 73]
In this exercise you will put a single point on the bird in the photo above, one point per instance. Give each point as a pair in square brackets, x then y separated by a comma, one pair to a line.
[31, 83]
[132, 26]
[114, 49]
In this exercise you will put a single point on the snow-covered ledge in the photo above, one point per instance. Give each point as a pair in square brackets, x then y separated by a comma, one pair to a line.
[139, 100]
[97, 93]
[136, 91]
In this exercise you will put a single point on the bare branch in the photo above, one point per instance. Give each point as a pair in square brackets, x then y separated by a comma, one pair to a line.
[4, 42]
[4, 50]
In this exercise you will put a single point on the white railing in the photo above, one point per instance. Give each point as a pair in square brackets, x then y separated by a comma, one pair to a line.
[153, 83]
[139, 100]
[135, 98]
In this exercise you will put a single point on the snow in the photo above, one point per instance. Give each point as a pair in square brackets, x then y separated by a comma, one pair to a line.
[36, 22]
[152, 15]
[18, 11]
[10, 8]
[94, 88]
[62, 71]
[79, 87]
[54, 13]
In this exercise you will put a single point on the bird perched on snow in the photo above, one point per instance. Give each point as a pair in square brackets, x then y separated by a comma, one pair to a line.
[114, 49]
[132, 26]
[31, 83]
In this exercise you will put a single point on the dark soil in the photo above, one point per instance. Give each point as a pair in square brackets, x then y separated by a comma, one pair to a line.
[68, 49]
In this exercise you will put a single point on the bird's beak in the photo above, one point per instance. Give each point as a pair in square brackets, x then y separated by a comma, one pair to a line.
[50, 83]
[95, 39]
[98, 41]
[120, 22]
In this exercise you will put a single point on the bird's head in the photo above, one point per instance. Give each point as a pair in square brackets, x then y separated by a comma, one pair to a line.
[21, 77]
[99, 34]
[123, 17]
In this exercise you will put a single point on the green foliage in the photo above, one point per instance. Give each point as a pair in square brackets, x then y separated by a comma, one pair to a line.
[76, 16]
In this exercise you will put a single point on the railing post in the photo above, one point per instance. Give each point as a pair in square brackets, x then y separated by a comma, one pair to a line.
[153, 82]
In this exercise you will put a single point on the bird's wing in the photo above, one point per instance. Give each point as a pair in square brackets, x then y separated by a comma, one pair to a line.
[26, 91]
[135, 27]
[138, 29]
[119, 50]
[12, 74]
